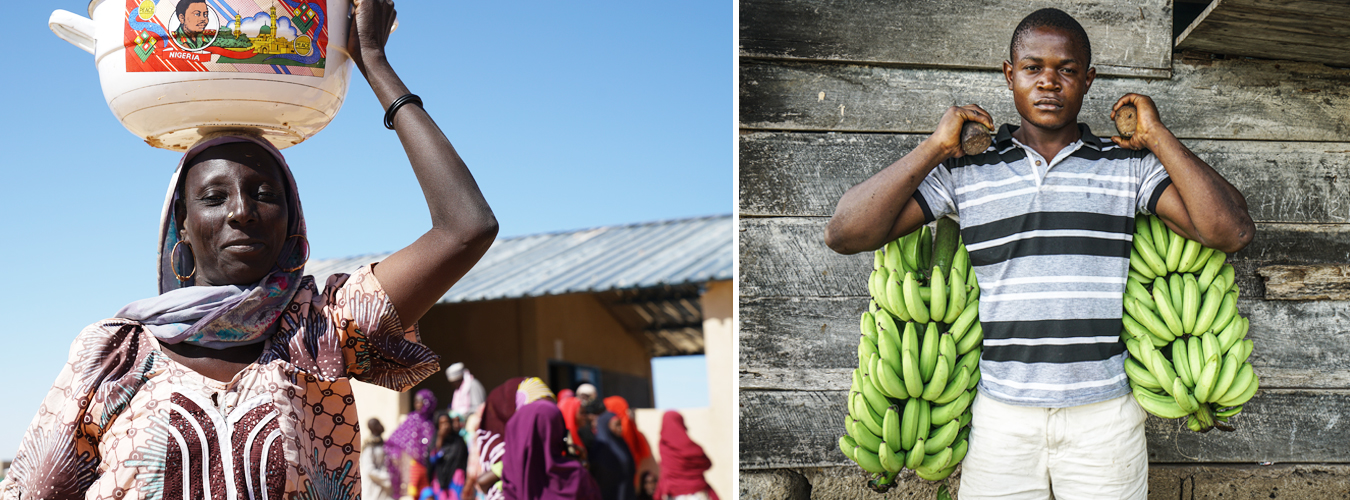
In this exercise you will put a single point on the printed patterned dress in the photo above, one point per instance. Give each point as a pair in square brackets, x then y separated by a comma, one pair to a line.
[124, 421]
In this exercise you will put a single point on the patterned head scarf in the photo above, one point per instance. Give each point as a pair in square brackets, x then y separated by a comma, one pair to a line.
[221, 316]
[410, 441]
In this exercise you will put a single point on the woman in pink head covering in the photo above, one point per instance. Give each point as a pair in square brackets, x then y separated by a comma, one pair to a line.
[682, 463]
[536, 465]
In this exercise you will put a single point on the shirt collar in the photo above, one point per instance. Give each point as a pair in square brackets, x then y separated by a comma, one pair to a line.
[1003, 139]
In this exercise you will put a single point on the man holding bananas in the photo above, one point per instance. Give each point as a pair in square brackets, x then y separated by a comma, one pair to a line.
[1047, 213]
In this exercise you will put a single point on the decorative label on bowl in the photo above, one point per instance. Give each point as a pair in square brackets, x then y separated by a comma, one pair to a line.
[255, 36]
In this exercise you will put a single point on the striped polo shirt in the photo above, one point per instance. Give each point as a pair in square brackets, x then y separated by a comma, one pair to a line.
[1050, 245]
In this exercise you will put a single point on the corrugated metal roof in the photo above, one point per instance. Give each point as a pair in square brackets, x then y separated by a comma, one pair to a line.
[642, 255]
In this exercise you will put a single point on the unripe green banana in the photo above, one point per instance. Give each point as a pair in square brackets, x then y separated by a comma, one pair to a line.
[1184, 398]
[910, 250]
[869, 461]
[1150, 257]
[938, 383]
[862, 411]
[925, 419]
[974, 284]
[1160, 236]
[847, 445]
[1162, 370]
[1188, 256]
[861, 435]
[872, 283]
[1194, 356]
[1139, 265]
[889, 460]
[955, 386]
[913, 302]
[961, 260]
[935, 476]
[974, 336]
[1227, 373]
[1205, 254]
[890, 428]
[868, 326]
[1208, 376]
[1140, 375]
[965, 424]
[945, 413]
[1229, 336]
[935, 462]
[959, 450]
[1182, 362]
[910, 372]
[865, 348]
[942, 437]
[1151, 321]
[909, 424]
[1245, 377]
[1247, 347]
[1136, 289]
[937, 307]
[1210, 342]
[1139, 332]
[963, 322]
[1174, 292]
[888, 344]
[1134, 275]
[974, 380]
[895, 297]
[1211, 269]
[1190, 302]
[928, 354]
[1245, 395]
[970, 360]
[947, 347]
[1132, 345]
[914, 458]
[925, 247]
[1175, 245]
[1146, 354]
[875, 400]
[1193, 423]
[1229, 412]
[879, 258]
[956, 300]
[891, 385]
[1227, 311]
[1157, 404]
[1164, 303]
[909, 340]
[1142, 229]
[1229, 275]
[893, 259]
[1209, 308]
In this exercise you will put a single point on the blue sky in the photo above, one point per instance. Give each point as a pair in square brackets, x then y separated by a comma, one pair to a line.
[569, 114]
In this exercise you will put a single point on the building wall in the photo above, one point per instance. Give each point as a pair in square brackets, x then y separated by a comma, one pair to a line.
[719, 337]
[832, 92]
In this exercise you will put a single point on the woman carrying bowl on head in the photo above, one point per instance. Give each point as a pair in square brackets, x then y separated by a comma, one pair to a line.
[234, 381]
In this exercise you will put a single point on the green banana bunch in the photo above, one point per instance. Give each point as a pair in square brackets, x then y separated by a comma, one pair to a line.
[918, 359]
[1187, 342]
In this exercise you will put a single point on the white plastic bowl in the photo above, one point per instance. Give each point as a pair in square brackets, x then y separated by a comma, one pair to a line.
[173, 108]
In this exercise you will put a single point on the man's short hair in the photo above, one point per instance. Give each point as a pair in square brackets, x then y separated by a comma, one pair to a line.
[1051, 18]
[595, 407]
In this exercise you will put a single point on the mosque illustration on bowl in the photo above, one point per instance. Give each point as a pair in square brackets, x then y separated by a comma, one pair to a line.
[222, 35]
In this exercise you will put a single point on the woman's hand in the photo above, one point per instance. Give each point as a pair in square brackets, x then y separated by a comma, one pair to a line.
[372, 21]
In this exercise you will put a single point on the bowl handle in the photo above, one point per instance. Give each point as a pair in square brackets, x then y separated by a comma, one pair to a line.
[73, 28]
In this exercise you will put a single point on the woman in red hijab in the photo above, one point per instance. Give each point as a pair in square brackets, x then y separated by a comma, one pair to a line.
[682, 462]
[637, 443]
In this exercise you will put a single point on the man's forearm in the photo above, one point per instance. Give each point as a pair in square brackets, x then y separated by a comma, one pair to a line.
[868, 215]
[1217, 210]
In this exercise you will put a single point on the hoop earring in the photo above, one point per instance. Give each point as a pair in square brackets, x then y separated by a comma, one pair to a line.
[302, 263]
[173, 264]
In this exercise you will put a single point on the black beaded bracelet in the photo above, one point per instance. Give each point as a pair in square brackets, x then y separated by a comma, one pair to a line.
[393, 108]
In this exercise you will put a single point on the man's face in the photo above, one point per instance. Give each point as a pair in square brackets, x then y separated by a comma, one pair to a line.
[1049, 78]
[195, 19]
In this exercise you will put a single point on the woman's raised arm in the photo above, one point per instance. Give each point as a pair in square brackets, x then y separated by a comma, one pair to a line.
[462, 224]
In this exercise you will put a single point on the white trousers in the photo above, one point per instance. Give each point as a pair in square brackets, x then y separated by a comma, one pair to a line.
[1095, 451]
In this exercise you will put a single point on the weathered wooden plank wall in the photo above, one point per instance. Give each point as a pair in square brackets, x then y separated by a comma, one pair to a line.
[834, 91]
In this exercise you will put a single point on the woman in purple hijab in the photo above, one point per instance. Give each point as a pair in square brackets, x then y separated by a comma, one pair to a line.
[536, 465]
[408, 443]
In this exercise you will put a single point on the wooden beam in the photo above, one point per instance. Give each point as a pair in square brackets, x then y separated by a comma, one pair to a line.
[812, 344]
[1304, 30]
[781, 429]
[1128, 38]
[1223, 99]
[1322, 282]
[787, 257]
[805, 174]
